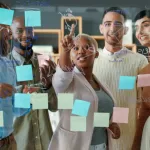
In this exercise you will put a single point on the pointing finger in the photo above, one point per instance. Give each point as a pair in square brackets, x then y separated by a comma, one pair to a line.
[72, 30]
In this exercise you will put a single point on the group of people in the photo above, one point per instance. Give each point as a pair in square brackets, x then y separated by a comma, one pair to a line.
[93, 76]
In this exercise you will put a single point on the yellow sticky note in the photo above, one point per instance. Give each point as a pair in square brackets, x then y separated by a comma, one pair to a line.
[77, 123]
[65, 100]
[101, 119]
[39, 100]
[1, 119]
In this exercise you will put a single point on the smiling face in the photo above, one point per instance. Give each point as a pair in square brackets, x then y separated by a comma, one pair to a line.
[23, 35]
[143, 31]
[113, 28]
[84, 52]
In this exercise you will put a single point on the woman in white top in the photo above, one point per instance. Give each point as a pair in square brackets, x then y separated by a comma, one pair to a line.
[80, 81]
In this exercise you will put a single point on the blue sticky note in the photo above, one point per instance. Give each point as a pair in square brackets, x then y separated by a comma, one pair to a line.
[81, 108]
[127, 82]
[6, 16]
[32, 18]
[22, 100]
[24, 73]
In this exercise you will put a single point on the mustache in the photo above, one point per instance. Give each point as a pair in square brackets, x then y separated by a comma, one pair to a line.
[26, 40]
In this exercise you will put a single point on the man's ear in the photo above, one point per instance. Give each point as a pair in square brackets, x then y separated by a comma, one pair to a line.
[125, 30]
[101, 28]
[97, 54]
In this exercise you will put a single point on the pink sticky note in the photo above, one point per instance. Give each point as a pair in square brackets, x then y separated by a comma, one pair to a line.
[42, 58]
[120, 115]
[143, 80]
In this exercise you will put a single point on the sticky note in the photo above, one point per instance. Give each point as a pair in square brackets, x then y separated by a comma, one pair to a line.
[24, 73]
[65, 100]
[127, 82]
[6, 16]
[77, 123]
[120, 115]
[81, 108]
[1, 119]
[32, 18]
[42, 58]
[143, 80]
[22, 100]
[39, 101]
[101, 119]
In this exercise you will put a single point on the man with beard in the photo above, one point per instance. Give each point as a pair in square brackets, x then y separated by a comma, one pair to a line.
[33, 131]
[142, 28]
[115, 61]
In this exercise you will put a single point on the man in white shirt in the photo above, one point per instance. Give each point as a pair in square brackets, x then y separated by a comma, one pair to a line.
[142, 32]
[115, 61]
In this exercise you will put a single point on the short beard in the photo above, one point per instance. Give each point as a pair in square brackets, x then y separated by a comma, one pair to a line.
[17, 44]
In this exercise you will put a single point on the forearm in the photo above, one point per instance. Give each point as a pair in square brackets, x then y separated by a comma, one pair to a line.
[65, 60]
[144, 113]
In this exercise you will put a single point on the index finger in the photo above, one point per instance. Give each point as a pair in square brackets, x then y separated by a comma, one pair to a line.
[72, 30]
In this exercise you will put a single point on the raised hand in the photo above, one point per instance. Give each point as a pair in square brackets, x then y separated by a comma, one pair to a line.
[67, 42]
[46, 73]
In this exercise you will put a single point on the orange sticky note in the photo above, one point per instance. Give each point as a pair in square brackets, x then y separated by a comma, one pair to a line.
[143, 80]
[120, 115]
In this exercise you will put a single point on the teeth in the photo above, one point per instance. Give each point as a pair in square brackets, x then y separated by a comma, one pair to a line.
[81, 58]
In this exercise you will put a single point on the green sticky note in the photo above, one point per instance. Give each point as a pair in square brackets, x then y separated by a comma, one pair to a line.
[101, 119]
[32, 18]
[65, 100]
[1, 119]
[6, 16]
[39, 100]
[77, 123]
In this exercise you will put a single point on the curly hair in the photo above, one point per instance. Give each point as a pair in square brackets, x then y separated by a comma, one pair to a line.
[3, 34]
[2, 5]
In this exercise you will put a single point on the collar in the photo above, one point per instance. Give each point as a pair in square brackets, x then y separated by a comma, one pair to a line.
[105, 51]
[21, 59]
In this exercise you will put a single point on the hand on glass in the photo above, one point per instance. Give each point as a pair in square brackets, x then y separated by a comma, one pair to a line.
[6, 90]
[46, 73]
[30, 89]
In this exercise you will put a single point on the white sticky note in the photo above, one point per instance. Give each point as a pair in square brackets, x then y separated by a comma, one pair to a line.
[39, 100]
[1, 119]
[65, 100]
[77, 123]
[101, 119]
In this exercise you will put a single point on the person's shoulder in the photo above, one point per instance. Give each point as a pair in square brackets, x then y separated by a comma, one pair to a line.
[135, 55]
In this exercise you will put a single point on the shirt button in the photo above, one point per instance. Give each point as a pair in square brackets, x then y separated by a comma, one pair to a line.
[36, 137]
[34, 123]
